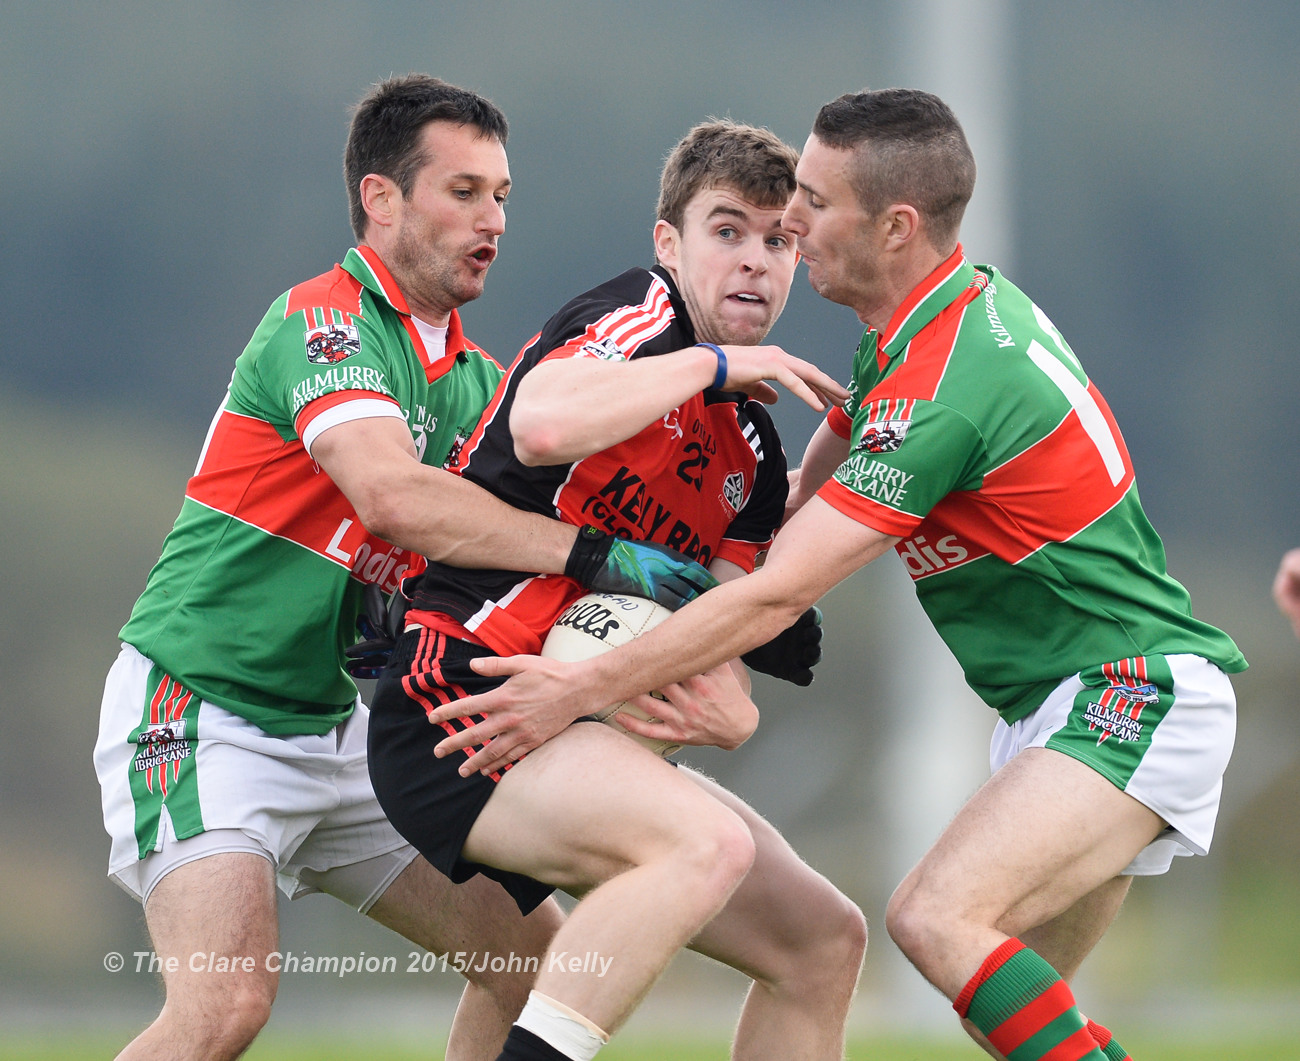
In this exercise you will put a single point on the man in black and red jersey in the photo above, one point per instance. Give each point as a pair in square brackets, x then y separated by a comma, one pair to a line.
[633, 412]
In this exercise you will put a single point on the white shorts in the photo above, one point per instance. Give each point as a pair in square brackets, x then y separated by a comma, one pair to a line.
[202, 781]
[1160, 728]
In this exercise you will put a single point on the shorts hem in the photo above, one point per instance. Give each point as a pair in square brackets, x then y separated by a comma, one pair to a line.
[399, 846]
[144, 884]
[1176, 834]
[387, 882]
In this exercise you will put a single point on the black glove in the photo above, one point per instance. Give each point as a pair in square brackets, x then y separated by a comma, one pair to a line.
[793, 653]
[380, 625]
[608, 564]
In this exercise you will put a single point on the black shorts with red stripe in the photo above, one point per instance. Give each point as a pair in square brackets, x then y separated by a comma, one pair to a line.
[424, 797]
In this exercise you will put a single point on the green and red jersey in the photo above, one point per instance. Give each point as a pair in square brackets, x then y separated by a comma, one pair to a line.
[258, 587]
[976, 436]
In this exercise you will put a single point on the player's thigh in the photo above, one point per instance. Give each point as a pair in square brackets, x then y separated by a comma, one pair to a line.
[427, 908]
[781, 910]
[1040, 834]
[589, 804]
[213, 926]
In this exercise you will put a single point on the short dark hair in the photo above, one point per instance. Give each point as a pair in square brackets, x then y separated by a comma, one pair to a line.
[384, 136]
[916, 153]
[753, 162]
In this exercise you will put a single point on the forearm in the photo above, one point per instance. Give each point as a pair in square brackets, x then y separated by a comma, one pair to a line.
[456, 522]
[695, 639]
[429, 510]
[725, 571]
[815, 552]
[568, 409]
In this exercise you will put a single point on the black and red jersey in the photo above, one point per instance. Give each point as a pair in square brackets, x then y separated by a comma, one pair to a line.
[707, 479]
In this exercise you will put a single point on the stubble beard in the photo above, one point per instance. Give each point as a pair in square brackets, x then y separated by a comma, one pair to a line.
[431, 278]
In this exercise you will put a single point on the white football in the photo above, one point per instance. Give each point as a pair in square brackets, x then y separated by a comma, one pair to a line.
[596, 623]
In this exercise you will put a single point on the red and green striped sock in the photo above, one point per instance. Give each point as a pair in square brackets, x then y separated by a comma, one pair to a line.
[1025, 1009]
[1109, 1047]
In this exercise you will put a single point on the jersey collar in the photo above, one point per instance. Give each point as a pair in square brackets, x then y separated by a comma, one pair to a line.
[680, 312]
[925, 302]
[363, 264]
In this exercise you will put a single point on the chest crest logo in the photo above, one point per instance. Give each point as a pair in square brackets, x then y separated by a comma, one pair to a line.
[733, 490]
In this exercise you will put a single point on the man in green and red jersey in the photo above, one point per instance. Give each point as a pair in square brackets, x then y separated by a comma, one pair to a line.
[974, 445]
[232, 741]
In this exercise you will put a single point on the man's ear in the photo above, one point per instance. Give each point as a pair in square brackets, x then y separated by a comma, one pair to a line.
[667, 244]
[901, 222]
[381, 199]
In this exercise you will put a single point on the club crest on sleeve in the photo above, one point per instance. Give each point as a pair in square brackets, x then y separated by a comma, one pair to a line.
[332, 343]
[883, 436]
[605, 349]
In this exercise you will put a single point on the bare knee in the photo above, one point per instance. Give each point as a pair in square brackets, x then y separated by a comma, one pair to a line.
[224, 1017]
[914, 921]
[825, 954]
[714, 855]
[846, 940]
[247, 1011]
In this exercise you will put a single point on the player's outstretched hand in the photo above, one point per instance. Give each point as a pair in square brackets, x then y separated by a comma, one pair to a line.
[793, 653]
[749, 367]
[710, 708]
[608, 564]
[1286, 588]
[541, 697]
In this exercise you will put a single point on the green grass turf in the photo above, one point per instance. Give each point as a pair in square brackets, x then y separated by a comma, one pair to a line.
[283, 1047]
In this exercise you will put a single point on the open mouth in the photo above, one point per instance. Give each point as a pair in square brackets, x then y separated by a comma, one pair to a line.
[747, 298]
[484, 255]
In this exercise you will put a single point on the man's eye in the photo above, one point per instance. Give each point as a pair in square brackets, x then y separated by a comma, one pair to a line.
[727, 232]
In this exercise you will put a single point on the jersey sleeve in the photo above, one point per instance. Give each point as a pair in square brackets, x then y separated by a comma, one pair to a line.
[602, 348]
[840, 421]
[309, 377]
[341, 408]
[628, 316]
[755, 525]
[906, 457]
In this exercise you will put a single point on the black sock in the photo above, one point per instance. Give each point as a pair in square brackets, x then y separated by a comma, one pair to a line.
[523, 1045]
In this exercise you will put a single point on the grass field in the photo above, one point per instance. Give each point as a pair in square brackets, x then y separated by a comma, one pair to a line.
[299, 1048]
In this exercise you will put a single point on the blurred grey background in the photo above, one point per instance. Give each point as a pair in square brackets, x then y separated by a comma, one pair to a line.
[172, 167]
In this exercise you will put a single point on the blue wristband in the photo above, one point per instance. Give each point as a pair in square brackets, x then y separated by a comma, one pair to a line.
[721, 377]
